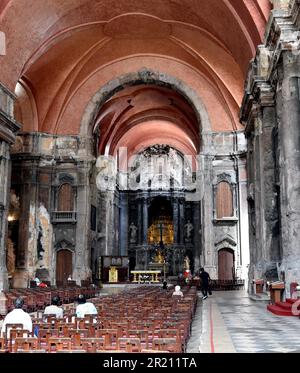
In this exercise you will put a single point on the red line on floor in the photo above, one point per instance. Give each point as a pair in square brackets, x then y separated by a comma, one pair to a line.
[212, 346]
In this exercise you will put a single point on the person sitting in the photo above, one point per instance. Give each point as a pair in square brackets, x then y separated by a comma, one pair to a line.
[296, 293]
[39, 283]
[54, 309]
[165, 285]
[17, 316]
[177, 291]
[84, 307]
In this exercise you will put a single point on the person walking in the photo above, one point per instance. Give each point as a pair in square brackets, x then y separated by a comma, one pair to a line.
[205, 278]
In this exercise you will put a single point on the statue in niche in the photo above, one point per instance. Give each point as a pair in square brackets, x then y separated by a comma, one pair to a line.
[186, 263]
[41, 260]
[11, 257]
[159, 258]
[133, 233]
[40, 250]
[188, 231]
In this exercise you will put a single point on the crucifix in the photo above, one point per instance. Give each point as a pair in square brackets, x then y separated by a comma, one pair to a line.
[162, 248]
[161, 243]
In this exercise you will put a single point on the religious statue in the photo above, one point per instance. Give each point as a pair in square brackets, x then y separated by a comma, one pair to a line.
[159, 258]
[188, 231]
[133, 233]
[10, 257]
[41, 260]
[186, 264]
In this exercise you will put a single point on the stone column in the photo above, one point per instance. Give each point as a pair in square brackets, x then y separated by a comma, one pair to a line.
[4, 205]
[244, 259]
[123, 224]
[28, 231]
[208, 245]
[197, 241]
[175, 220]
[116, 223]
[139, 222]
[181, 221]
[8, 129]
[270, 212]
[289, 145]
[145, 221]
[82, 269]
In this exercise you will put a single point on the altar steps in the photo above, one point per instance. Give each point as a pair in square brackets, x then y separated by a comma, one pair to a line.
[283, 308]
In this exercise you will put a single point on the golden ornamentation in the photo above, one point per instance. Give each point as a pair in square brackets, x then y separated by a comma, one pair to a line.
[167, 231]
[159, 258]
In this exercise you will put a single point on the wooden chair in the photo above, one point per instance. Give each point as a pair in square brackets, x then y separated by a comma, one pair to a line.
[56, 344]
[167, 344]
[110, 337]
[26, 344]
[44, 336]
[3, 345]
[144, 336]
[31, 351]
[129, 344]
[147, 351]
[8, 327]
[72, 351]
[92, 344]
[17, 333]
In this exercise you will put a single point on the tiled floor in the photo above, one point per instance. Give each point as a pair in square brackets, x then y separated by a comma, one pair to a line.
[232, 322]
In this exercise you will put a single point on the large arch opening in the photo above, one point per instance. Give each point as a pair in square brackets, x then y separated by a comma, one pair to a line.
[139, 121]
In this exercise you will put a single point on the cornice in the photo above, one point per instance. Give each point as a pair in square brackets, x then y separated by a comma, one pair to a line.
[8, 128]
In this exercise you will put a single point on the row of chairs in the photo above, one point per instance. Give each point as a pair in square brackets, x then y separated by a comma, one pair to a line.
[134, 321]
[91, 345]
[227, 284]
[38, 298]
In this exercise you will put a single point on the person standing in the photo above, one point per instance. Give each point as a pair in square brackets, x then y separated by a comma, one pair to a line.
[205, 278]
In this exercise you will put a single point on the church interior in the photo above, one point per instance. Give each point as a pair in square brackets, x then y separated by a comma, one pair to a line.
[140, 143]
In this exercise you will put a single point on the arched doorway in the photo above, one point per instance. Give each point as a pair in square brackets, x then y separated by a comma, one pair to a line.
[64, 266]
[226, 264]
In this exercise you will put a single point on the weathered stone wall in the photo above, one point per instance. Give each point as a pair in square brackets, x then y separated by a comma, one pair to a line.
[223, 159]
[41, 163]
[271, 113]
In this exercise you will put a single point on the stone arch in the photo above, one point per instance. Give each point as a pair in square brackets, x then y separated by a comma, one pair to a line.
[143, 76]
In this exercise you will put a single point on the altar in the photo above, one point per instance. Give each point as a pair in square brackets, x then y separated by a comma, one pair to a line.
[143, 276]
[162, 267]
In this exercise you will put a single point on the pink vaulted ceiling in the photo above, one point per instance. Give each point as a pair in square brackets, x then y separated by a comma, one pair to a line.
[63, 52]
[140, 116]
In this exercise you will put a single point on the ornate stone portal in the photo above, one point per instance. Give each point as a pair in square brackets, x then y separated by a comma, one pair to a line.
[161, 214]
